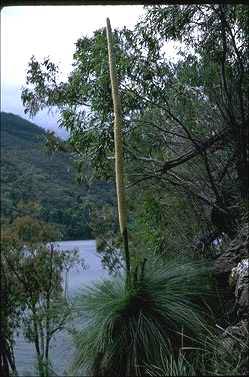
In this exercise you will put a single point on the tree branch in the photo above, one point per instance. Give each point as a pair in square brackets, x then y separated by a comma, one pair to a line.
[193, 153]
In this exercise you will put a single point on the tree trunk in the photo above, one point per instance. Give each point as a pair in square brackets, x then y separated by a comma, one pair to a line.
[243, 162]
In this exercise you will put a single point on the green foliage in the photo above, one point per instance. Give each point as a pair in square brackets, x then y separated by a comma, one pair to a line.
[123, 331]
[33, 285]
[171, 367]
[30, 230]
[171, 113]
[41, 185]
[159, 216]
[185, 127]
[186, 157]
[226, 356]
[210, 356]
[11, 300]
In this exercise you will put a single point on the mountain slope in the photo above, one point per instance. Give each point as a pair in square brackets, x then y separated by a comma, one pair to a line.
[30, 176]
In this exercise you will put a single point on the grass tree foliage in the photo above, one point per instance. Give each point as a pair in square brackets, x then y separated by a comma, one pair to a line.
[124, 331]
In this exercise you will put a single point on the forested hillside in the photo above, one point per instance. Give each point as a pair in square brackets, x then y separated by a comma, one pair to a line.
[40, 184]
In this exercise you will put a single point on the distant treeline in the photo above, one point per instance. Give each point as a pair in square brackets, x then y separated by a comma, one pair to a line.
[43, 185]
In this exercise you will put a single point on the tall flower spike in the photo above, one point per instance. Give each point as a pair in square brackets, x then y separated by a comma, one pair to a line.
[118, 141]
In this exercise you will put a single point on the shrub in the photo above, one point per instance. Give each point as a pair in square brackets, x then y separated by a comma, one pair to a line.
[126, 330]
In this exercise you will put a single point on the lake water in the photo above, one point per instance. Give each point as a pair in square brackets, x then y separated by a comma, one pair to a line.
[62, 347]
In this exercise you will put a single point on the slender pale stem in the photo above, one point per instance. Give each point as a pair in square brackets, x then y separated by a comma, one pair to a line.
[118, 141]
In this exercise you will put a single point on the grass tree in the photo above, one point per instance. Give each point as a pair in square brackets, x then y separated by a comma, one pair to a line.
[127, 332]
[129, 323]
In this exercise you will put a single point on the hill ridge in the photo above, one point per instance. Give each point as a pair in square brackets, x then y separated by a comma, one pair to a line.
[28, 174]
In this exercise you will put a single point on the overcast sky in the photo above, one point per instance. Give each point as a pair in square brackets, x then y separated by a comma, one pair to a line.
[49, 31]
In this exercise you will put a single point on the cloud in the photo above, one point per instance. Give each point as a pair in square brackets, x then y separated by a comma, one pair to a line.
[48, 31]
[52, 31]
[11, 103]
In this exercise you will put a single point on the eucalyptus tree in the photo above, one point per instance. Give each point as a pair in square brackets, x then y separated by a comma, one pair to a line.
[216, 40]
[185, 122]
[34, 269]
[10, 314]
